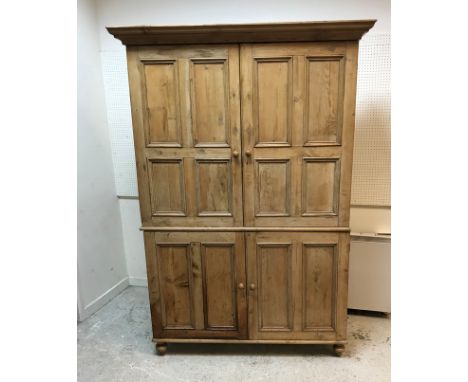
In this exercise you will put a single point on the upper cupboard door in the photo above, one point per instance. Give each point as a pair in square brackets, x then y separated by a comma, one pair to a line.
[186, 120]
[298, 103]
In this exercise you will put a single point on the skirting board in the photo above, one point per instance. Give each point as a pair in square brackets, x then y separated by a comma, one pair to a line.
[103, 299]
[138, 281]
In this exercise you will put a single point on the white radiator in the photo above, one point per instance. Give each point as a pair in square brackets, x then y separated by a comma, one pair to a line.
[369, 272]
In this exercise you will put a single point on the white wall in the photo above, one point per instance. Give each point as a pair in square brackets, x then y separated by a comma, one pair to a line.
[134, 245]
[170, 12]
[102, 269]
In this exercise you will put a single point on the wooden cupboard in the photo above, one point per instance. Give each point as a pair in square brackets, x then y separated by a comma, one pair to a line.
[244, 143]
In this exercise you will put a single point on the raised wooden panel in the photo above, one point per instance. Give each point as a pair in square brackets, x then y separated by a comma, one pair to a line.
[324, 102]
[273, 100]
[320, 186]
[167, 187]
[210, 107]
[214, 187]
[272, 187]
[319, 286]
[175, 285]
[219, 286]
[274, 286]
[196, 275]
[162, 104]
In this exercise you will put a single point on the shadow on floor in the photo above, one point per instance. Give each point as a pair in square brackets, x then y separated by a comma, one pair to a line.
[250, 349]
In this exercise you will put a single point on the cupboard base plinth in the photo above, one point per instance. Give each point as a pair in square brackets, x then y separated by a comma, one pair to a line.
[161, 344]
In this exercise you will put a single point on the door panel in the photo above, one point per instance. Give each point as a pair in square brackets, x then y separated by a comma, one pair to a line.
[210, 101]
[162, 98]
[214, 188]
[297, 285]
[176, 285]
[319, 283]
[323, 100]
[219, 281]
[273, 96]
[297, 108]
[274, 274]
[193, 281]
[272, 196]
[167, 187]
[186, 119]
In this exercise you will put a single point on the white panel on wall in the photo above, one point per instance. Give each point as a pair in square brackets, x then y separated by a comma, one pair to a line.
[114, 68]
[371, 167]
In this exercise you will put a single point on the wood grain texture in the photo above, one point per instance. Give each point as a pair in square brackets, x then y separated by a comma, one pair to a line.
[186, 111]
[299, 278]
[299, 99]
[214, 189]
[167, 187]
[160, 78]
[230, 341]
[324, 89]
[319, 290]
[209, 94]
[243, 33]
[274, 274]
[247, 341]
[320, 187]
[246, 229]
[174, 264]
[219, 275]
[272, 89]
[195, 284]
[271, 188]
[245, 215]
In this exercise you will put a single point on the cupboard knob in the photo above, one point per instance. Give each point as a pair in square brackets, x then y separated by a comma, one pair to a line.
[235, 153]
[241, 285]
[252, 286]
[248, 153]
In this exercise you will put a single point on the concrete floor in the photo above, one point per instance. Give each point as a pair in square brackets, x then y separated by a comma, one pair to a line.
[115, 345]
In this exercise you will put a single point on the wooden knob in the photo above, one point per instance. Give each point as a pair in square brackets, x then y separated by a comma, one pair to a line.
[252, 286]
[248, 153]
[235, 153]
[241, 285]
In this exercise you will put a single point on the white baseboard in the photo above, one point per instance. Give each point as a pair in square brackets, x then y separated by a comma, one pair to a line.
[138, 281]
[103, 299]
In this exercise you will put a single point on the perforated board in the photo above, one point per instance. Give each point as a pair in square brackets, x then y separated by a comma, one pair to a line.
[371, 168]
[119, 118]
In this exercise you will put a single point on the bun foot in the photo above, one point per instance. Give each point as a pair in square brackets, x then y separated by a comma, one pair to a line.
[339, 349]
[161, 348]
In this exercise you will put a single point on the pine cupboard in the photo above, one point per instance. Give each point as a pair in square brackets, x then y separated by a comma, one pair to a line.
[244, 142]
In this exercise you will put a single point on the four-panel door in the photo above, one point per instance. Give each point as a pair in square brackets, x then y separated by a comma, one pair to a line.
[186, 119]
[297, 123]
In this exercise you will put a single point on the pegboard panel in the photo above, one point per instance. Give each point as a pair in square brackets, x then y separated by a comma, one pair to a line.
[371, 166]
[371, 169]
[114, 68]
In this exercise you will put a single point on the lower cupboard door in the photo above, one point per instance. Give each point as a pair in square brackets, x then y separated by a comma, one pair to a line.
[197, 284]
[297, 285]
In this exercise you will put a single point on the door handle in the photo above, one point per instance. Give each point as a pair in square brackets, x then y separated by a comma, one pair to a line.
[248, 153]
[252, 286]
[241, 286]
[235, 153]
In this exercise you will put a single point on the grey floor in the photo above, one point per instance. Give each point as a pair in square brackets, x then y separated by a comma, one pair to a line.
[115, 345]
